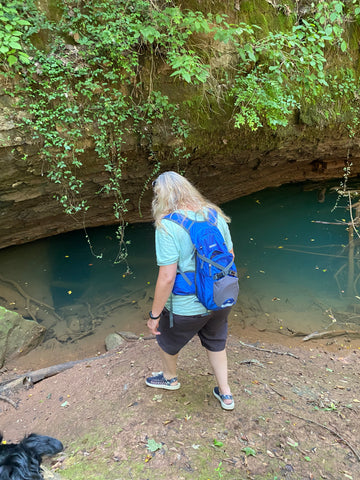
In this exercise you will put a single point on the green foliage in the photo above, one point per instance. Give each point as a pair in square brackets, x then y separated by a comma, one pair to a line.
[92, 83]
[249, 451]
[97, 77]
[12, 28]
[153, 446]
[217, 443]
[283, 71]
[219, 470]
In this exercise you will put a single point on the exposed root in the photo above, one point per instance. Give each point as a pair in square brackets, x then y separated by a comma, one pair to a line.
[340, 437]
[268, 351]
[5, 399]
[29, 298]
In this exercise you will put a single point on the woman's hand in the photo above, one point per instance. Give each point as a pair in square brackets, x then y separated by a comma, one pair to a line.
[164, 285]
[153, 326]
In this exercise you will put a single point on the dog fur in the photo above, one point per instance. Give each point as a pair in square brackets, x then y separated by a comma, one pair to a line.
[21, 461]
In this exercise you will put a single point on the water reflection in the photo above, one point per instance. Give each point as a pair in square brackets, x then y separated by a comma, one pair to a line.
[294, 271]
[294, 250]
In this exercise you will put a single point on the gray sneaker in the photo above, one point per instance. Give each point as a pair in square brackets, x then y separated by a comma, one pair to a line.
[159, 381]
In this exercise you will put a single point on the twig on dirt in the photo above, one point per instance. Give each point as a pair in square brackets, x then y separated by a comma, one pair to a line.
[340, 437]
[252, 361]
[273, 389]
[5, 399]
[268, 351]
[331, 334]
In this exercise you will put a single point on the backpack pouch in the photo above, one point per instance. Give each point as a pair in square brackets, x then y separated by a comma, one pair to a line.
[226, 291]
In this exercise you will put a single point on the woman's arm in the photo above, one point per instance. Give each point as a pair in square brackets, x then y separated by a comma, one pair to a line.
[163, 288]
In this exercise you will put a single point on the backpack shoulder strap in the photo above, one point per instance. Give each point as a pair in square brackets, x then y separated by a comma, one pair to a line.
[213, 217]
[187, 223]
[181, 220]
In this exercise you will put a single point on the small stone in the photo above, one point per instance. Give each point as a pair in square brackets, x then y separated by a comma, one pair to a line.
[113, 340]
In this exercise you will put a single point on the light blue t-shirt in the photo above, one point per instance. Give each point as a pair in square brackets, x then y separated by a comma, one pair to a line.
[173, 245]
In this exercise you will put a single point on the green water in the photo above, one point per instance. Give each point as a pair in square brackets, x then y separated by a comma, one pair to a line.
[293, 270]
[295, 258]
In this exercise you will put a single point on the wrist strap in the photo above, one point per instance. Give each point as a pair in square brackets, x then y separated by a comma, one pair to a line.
[152, 316]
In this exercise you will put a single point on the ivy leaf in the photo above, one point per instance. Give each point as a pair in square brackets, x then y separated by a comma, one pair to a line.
[329, 30]
[153, 446]
[12, 60]
[249, 451]
[186, 76]
[15, 45]
[217, 443]
[150, 34]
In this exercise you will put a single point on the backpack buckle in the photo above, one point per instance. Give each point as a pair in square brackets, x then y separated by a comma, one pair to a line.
[219, 275]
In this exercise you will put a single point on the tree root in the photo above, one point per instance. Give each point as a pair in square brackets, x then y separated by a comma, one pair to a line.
[5, 399]
[268, 351]
[29, 298]
[74, 337]
[340, 437]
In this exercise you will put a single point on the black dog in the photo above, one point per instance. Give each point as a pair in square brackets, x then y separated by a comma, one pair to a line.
[21, 461]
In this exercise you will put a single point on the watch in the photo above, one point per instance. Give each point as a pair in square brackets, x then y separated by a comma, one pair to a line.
[152, 316]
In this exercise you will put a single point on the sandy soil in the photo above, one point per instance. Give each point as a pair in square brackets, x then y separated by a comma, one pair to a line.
[296, 415]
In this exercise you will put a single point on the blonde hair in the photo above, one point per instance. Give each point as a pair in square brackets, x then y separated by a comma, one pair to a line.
[174, 192]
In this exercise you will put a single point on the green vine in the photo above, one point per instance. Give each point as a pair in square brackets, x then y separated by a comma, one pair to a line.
[88, 71]
[93, 84]
[284, 71]
[11, 33]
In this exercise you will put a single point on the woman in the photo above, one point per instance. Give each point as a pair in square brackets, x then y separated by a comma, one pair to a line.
[175, 251]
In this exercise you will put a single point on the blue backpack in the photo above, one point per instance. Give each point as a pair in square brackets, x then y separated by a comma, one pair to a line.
[215, 281]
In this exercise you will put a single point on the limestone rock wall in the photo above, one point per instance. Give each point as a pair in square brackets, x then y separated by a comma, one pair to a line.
[224, 162]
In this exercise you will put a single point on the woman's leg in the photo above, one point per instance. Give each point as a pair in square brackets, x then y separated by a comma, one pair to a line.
[167, 378]
[218, 361]
[169, 363]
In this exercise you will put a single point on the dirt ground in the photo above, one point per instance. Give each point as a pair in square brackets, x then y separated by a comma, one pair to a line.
[297, 413]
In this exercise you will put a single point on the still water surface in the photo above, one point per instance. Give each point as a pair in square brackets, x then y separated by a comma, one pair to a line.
[294, 272]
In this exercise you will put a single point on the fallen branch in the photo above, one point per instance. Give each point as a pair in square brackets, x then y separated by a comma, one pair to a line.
[334, 432]
[268, 351]
[112, 305]
[28, 379]
[330, 334]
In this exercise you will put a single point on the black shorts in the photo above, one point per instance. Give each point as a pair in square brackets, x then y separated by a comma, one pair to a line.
[212, 329]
